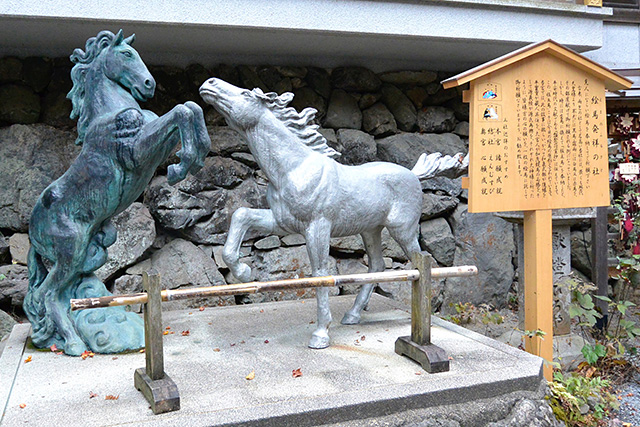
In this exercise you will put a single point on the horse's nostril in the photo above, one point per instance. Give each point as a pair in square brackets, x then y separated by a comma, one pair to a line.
[148, 84]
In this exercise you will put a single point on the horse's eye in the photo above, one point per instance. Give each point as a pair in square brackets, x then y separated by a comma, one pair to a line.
[127, 53]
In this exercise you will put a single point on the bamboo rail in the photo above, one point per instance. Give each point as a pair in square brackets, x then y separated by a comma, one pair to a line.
[271, 286]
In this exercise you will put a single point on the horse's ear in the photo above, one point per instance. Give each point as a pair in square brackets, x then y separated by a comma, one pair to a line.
[118, 39]
[129, 40]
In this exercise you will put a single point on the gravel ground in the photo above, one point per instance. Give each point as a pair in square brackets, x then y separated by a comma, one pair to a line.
[630, 404]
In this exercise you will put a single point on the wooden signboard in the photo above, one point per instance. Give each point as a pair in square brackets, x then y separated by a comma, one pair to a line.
[538, 142]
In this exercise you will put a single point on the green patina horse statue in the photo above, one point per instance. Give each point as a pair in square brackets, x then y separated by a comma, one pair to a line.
[70, 228]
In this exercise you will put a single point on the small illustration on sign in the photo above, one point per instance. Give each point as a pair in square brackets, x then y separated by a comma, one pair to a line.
[489, 94]
[490, 112]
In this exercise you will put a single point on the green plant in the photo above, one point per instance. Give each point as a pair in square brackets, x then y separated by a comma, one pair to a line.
[581, 400]
[592, 353]
[2, 276]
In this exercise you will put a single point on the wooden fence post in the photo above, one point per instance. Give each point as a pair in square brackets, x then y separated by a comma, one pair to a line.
[156, 386]
[418, 346]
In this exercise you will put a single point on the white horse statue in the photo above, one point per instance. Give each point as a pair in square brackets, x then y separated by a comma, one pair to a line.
[312, 194]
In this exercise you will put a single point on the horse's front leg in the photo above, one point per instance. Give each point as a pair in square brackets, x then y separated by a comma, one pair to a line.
[318, 235]
[155, 140]
[243, 220]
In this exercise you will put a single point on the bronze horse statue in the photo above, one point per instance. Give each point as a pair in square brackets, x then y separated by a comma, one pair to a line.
[70, 228]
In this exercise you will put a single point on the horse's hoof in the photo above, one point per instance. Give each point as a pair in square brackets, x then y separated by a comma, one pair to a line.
[319, 340]
[243, 273]
[175, 174]
[75, 348]
[350, 319]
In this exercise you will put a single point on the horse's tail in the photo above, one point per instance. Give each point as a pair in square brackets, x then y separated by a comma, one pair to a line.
[37, 273]
[435, 164]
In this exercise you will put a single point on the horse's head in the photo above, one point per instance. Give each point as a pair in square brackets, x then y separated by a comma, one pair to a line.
[242, 108]
[123, 65]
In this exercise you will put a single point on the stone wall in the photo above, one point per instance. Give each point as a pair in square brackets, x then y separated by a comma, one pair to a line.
[179, 230]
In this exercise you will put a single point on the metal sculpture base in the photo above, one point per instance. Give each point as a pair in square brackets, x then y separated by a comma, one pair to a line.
[162, 394]
[431, 357]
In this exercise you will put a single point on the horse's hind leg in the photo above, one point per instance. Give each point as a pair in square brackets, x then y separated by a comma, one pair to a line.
[317, 235]
[57, 310]
[373, 245]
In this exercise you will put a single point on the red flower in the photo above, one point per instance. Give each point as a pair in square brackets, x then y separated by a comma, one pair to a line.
[636, 249]
[628, 224]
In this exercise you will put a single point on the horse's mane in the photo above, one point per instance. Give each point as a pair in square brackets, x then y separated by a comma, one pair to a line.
[83, 61]
[300, 124]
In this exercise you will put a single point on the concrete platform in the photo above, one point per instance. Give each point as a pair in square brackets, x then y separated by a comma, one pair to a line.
[358, 377]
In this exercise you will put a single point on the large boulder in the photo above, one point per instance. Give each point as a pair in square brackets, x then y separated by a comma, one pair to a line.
[405, 148]
[19, 246]
[487, 242]
[307, 97]
[437, 239]
[355, 79]
[378, 120]
[320, 81]
[413, 78]
[436, 204]
[6, 325]
[32, 156]
[284, 263]
[343, 111]
[400, 106]
[213, 229]
[225, 140]
[18, 104]
[436, 120]
[356, 147]
[136, 233]
[182, 264]
[14, 282]
[176, 209]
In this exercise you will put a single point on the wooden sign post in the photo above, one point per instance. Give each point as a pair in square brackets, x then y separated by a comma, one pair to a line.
[538, 142]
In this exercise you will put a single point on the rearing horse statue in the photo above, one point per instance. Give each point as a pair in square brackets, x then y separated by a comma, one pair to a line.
[312, 194]
[70, 228]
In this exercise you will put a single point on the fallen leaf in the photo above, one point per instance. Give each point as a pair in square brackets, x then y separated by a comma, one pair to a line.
[312, 322]
[111, 397]
[185, 333]
[92, 395]
[362, 338]
[23, 405]
[165, 333]
[261, 310]
[114, 358]
[28, 359]
[86, 354]
[190, 313]
[418, 373]
[266, 341]
[242, 342]
[232, 344]
[53, 348]
[59, 352]
[201, 309]
[296, 373]
[168, 328]
[251, 375]
[142, 350]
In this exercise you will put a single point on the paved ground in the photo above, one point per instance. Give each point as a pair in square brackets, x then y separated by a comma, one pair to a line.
[359, 376]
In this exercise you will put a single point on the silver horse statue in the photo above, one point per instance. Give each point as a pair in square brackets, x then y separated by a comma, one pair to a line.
[312, 194]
